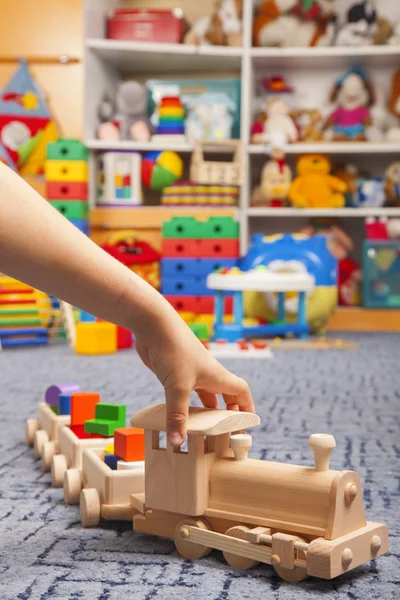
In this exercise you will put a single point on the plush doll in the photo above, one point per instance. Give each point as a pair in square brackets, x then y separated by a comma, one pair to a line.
[278, 129]
[223, 27]
[294, 23]
[315, 187]
[276, 178]
[392, 184]
[308, 122]
[363, 27]
[127, 119]
[393, 135]
[353, 94]
[394, 39]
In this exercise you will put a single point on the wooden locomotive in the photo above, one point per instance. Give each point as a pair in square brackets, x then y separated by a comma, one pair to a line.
[302, 520]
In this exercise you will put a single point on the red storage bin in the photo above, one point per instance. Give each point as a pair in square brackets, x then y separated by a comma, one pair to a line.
[200, 305]
[163, 26]
[66, 190]
[175, 247]
[214, 248]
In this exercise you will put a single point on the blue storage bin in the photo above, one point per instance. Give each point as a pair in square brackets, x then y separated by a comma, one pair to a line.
[179, 267]
[185, 286]
[381, 262]
[205, 266]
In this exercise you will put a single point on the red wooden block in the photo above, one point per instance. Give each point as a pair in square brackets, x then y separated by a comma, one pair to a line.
[68, 190]
[124, 338]
[213, 248]
[79, 431]
[83, 407]
[183, 248]
[129, 444]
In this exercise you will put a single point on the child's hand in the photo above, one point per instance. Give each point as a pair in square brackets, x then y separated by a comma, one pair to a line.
[182, 364]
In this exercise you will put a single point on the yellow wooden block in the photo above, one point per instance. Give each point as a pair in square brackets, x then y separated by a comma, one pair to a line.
[96, 338]
[109, 449]
[66, 170]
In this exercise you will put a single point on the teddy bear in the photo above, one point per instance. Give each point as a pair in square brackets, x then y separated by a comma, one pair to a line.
[354, 95]
[308, 122]
[315, 187]
[363, 27]
[278, 128]
[276, 178]
[294, 23]
[223, 27]
[126, 119]
[392, 184]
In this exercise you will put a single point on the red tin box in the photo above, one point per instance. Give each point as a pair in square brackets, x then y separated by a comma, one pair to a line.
[163, 26]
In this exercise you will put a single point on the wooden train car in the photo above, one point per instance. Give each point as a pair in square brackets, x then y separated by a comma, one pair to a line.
[42, 433]
[302, 520]
[107, 493]
[66, 467]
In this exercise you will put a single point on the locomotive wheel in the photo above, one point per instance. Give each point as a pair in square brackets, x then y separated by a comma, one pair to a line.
[32, 425]
[58, 468]
[72, 486]
[89, 507]
[293, 575]
[234, 560]
[41, 437]
[188, 549]
[49, 450]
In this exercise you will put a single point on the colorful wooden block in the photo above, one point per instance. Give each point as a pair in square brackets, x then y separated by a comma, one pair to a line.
[124, 338]
[64, 170]
[108, 417]
[53, 392]
[67, 149]
[66, 190]
[83, 407]
[129, 444]
[96, 338]
[109, 449]
[64, 404]
[111, 461]
[79, 431]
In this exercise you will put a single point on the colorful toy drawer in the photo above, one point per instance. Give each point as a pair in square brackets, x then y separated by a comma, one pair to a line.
[381, 263]
[67, 149]
[66, 190]
[63, 170]
[220, 228]
[190, 267]
[72, 209]
[185, 286]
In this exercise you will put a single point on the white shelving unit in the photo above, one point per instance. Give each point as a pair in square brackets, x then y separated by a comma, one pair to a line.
[311, 71]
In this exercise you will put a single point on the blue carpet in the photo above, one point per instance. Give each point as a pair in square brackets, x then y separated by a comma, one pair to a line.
[44, 552]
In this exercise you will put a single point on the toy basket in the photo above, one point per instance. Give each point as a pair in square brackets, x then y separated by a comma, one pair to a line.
[217, 172]
[138, 256]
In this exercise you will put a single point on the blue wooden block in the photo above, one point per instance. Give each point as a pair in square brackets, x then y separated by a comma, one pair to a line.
[111, 461]
[64, 404]
[179, 267]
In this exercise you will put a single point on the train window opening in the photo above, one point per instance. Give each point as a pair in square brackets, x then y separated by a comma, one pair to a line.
[184, 449]
[159, 440]
[209, 444]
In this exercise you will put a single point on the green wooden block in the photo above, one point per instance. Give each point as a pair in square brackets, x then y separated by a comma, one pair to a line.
[103, 426]
[72, 209]
[54, 408]
[111, 412]
[67, 149]
[219, 228]
[181, 227]
[200, 330]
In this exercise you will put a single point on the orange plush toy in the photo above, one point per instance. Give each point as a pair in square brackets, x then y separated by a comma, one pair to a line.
[315, 187]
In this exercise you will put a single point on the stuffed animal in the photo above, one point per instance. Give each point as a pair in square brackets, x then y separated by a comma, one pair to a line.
[276, 178]
[223, 27]
[294, 23]
[315, 187]
[354, 95]
[308, 122]
[127, 118]
[393, 135]
[363, 27]
[392, 184]
[278, 129]
[394, 39]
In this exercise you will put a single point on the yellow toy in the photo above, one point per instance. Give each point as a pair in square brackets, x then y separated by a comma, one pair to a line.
[315, 187]
[96, 338]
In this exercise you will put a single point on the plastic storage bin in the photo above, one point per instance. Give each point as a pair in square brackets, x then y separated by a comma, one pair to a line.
[381, 274]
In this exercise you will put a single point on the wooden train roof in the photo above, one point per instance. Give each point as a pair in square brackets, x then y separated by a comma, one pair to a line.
[201, 421]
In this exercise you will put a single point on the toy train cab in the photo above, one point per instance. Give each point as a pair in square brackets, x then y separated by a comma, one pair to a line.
[302, 520]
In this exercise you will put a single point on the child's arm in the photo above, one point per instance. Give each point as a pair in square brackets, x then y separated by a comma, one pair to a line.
[40, 247]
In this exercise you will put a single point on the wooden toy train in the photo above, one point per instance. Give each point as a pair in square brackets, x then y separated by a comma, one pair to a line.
[301, 520]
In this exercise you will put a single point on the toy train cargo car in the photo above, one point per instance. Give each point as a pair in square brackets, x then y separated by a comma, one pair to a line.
[302, 520]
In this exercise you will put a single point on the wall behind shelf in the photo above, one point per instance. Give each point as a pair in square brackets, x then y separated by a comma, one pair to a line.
[50, 28]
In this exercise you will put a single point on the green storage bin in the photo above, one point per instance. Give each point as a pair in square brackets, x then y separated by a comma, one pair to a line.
[200, 330]
[72, 209]
[219, 228]
[67, 149]
[182, 227]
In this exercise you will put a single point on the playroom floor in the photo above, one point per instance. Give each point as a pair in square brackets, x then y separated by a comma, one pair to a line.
[44, 552]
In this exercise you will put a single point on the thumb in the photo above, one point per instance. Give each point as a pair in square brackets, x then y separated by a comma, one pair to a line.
[177, 399]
